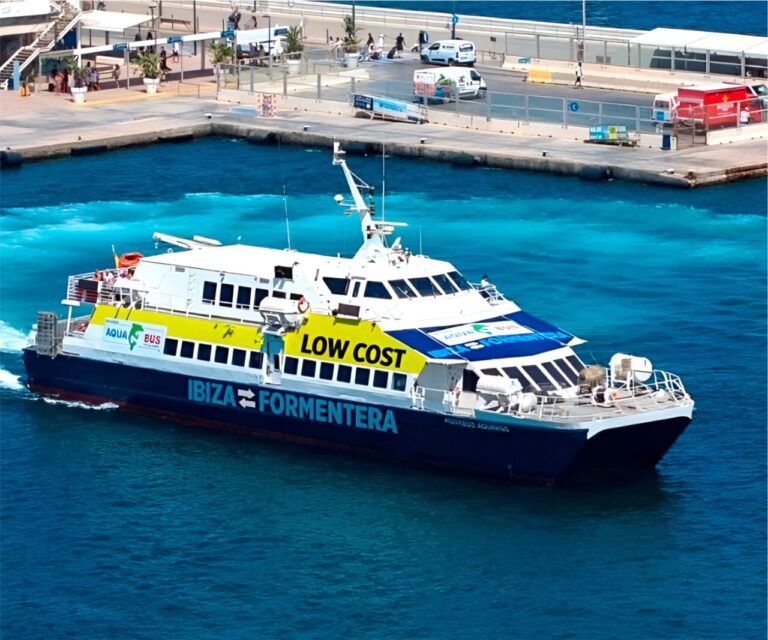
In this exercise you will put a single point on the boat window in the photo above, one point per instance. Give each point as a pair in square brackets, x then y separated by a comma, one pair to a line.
[402, 289]
[326, 371]
[243, 297]
[187, 349]
[460, 281]
[375, 289]
[492, 372]
[221, 355]
[278, 294]
[574, 361]
[283, 272]
[226, 294]
[308, 368]
[424, 286]
[204, 352]
[343, 373]
[515, 374]
[256, 359]
[296, 296]
[569, 373]
[362, 376]
[171, 346]
[276, 361]
[356, 289]
[258, 296]
[537, 375]
[398, 381]
[209, 292]
[445, 283]
[337, 286]
[291, 365]
[380, 378]
[553, 371]
[469, 381]
[238, 357]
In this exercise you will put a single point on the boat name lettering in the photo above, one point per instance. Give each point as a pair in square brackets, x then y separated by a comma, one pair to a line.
[134, 336]
[362, 352]
[281, 403]
[559, 336]
[466, 332]
[470, 424]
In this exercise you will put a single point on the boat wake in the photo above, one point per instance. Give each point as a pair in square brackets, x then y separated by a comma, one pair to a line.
[74, 404]
[12, 340]
[10, 381]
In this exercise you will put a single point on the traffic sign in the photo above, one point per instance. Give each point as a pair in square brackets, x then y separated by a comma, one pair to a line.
[455, 19]
[172, 39]
[120, 46]
[573, 107]
[228, 34]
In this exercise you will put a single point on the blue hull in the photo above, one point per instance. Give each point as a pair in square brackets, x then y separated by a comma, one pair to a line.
[517, 451]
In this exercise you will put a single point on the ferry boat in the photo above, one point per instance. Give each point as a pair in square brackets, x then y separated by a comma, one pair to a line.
[386, 353]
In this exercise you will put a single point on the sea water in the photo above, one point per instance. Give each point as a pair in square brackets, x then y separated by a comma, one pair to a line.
[124, 526]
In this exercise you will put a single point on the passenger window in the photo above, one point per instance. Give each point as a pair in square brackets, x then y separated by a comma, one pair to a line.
[204, 352]
[398, 381]
[537, 375]
[343, 373]
[187, 349]
[308, 368]
[554, 372]
[256, 360]
[375, 289]
[572, 377]
[380, 379]
[362, 376]
[238, 357]
[296, 296]
[226, 294]
[278, 294]
[492, 372]
[474, 74]
[209, 292]
[291, 365]
[445, 283]
[435, 46]
[574, 361]
[243, 297]
[337, 286]
[326, 371]
[258, 296]
[424, 286]
[402, 289]
[221, 355]
[515, 374]
[460, 281]
[171, 346]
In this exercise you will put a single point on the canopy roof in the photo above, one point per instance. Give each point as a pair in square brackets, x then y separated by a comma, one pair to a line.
[722, 43]
[111, 20]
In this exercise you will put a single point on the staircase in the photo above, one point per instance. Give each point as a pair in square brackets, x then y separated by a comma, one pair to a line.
[62, 24]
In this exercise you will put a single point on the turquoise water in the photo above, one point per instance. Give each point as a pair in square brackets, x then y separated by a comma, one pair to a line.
[116, 525]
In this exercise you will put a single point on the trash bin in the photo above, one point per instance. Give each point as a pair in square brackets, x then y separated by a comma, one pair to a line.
[666, 142]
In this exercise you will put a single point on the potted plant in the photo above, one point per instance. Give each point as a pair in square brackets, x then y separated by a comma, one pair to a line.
[220, 52]
[79, 88]
[293, 49]
[149, 64]
[351, 43]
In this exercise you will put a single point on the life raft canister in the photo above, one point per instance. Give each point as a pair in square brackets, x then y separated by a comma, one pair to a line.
[128, 260]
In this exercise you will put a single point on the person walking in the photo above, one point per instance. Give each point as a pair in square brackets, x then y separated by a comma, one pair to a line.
[400, 45]
[579, 76]
[116, 74]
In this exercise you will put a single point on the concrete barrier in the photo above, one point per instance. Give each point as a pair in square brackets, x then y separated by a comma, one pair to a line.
[539, 76]
[738, 134]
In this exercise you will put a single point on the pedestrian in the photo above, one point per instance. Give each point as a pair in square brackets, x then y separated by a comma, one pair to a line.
[116, 74]
[254, 21]
[137, 38]
[579, 76]
[745, 117]
[381, 42]
[370, 41]
[164, 68]
[176, 51]
[400, 45]
[96, 79]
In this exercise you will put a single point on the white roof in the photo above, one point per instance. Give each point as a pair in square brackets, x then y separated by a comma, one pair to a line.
[723, 43]
[111, 20]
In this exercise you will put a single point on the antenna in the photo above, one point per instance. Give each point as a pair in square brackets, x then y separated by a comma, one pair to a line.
[285, 193]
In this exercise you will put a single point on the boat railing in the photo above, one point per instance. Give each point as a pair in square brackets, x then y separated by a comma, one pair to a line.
[489, 292]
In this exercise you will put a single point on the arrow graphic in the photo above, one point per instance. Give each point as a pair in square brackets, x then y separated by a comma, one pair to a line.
[246, 393]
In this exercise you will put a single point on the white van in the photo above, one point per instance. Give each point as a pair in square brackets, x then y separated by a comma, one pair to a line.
[445, 84]
[665, 107]
[450, 52]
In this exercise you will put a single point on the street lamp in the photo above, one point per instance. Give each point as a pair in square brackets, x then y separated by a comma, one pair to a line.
[269, 42]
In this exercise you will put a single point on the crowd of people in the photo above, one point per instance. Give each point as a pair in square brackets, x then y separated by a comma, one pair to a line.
[372, 49]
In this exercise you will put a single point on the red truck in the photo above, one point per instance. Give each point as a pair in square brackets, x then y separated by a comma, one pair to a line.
[716, 105]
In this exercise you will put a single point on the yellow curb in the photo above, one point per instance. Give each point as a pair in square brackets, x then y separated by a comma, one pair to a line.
[140, 95]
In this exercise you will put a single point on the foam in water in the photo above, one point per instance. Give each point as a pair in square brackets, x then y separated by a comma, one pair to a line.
[104, 406]
[10, 381]
[12, 340]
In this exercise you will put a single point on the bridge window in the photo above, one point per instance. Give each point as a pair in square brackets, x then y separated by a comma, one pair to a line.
[258, 296]
[398, 381]
[308, 368]
[187, 349]
[538, 376]
[574, 361]
[380, 378]
[515, 374]
[291, 365]
[569, 373]
[226, 294]
[492, 372]
[362, 376]
[555, 373]
[221, 355]
[343, 373]
[256, 360]
[445, 283]
[337, 286]
[375, 289]
[296, 296]
[402, 289]
[243, 297]
[204, 352]
[170, 347]
[425, 286]
[238, 357]
[460, 281]
[326, 371]
[278, 294]
[209, 292]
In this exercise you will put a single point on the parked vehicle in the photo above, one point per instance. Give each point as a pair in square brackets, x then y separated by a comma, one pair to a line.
[446, 84]
[665, 107]
[708, 105]
[450, 52]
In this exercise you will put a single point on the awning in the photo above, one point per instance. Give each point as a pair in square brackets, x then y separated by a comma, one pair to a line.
[722, 43]
[111, 20]
[510, 336]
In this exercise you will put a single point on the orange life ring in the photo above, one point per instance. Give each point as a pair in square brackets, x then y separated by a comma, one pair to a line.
[129, 260]
[303, 305]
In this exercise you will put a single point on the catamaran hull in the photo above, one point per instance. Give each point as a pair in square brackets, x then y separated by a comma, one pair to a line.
[513, 451]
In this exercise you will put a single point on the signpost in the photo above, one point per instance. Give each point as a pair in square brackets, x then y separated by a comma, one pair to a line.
[120, 46]
[454, 22]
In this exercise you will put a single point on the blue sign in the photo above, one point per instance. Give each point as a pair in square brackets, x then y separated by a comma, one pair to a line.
[228, 34]
[573, 107]
[120, 46]
[172, 39]
[454, 19]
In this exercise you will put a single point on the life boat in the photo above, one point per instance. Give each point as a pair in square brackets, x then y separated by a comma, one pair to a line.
[128, 260]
